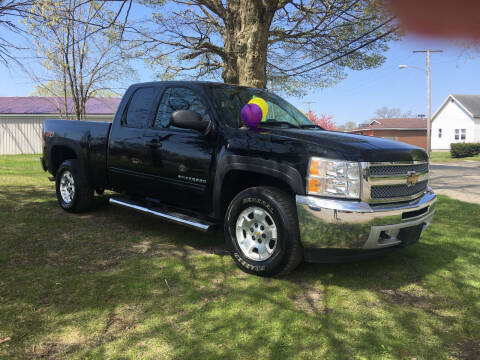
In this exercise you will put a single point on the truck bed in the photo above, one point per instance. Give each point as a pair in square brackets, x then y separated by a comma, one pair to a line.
[89, 139]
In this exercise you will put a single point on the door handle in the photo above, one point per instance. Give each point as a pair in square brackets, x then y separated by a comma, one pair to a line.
[155, 144]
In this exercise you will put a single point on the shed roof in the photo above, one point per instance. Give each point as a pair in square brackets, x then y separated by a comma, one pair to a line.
[395, 124]
[54, 105]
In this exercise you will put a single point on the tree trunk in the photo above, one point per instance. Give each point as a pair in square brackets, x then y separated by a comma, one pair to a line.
[245, 42]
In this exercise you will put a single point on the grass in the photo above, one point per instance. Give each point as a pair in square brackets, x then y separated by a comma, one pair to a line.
[119, 285]
[444, 156]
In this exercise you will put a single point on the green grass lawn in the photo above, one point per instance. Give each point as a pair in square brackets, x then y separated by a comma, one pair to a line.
[119, 285]
[440, 156]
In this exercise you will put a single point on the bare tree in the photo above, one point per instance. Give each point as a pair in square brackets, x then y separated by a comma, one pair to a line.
[55, 87]
[78, 42]
[11, 12]
[350, 125]
[388, 113]
[300, 44]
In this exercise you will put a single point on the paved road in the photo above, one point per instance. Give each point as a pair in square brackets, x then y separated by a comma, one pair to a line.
[459, 180]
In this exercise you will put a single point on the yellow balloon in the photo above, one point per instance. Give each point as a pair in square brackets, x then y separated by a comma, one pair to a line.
[263, 105]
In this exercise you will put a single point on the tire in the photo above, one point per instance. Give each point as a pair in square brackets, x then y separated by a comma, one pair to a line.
[278, 252]
[74, 194]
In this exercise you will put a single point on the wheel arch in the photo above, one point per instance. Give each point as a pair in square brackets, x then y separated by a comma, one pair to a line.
[59, 153]
[237, 173]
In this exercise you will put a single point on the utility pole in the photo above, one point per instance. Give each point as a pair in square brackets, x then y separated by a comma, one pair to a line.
[309, 103]
[269, 72]
[429, 110]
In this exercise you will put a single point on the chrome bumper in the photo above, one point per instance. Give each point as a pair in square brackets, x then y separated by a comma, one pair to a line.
[341, 224]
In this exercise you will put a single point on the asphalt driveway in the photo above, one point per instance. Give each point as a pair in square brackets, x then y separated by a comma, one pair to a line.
[459, 180]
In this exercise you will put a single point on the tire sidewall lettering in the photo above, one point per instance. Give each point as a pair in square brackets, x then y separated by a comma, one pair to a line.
[264, 203]
[247, 265]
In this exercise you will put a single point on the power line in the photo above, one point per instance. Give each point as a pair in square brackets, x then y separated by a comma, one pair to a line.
[345, 54]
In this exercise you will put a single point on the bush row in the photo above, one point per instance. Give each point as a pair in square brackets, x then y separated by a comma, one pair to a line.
[459, 150]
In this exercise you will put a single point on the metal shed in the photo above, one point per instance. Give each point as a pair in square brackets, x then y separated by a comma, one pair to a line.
[21, 120]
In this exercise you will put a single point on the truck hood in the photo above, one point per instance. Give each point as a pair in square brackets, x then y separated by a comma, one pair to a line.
[332, 144]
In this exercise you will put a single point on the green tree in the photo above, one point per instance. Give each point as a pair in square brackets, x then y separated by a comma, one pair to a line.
[294, 43]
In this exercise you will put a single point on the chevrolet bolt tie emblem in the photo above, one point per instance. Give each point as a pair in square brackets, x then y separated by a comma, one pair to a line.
[412, 178]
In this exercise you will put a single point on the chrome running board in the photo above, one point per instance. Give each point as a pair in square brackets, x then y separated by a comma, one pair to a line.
[164, 213]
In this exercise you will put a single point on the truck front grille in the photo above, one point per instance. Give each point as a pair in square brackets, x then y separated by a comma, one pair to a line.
[394, 182]
[393, 170]
[398, 191]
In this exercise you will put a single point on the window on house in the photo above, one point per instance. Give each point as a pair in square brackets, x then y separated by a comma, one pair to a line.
[457, 134]
[439, 133]
[464, 134]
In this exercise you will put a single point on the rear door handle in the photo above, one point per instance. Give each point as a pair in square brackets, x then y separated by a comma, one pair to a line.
[155, 144]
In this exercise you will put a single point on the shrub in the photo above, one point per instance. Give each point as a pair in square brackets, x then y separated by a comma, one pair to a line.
[459, 150]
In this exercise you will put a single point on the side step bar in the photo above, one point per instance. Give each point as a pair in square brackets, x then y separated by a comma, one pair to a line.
[164, 213]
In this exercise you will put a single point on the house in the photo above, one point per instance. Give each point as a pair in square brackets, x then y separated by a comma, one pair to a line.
[456, 120]
[408, 130]
[21, 119]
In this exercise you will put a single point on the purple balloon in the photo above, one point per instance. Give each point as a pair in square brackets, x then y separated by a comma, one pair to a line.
[251, 115]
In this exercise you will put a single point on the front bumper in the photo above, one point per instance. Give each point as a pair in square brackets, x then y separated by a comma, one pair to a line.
[360, 227]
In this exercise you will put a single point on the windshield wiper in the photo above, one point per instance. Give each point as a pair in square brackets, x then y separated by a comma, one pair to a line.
[275, 123]
[311, 126]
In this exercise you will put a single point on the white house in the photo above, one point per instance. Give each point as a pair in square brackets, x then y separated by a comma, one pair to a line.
[456, 120]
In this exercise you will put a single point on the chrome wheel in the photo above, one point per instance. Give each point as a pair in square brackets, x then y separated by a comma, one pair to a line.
[256, 233]
[67, 187]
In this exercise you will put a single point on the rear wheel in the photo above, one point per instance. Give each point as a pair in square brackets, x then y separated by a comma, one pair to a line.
[261, 230]
[73, 191]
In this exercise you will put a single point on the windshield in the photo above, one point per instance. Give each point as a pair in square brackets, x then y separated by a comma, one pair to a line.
[231, 99]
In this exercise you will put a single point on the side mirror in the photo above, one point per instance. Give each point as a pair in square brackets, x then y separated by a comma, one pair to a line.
[188, 119]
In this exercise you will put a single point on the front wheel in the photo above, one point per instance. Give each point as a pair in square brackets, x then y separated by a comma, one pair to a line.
[73, 191]
[261, 230]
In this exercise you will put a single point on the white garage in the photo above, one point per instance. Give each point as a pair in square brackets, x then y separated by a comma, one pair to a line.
[21, 119]
[456, 120]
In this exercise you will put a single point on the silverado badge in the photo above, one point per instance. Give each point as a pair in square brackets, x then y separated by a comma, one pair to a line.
[412, 178]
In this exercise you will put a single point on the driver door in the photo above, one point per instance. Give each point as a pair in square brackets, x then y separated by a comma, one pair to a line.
[179, 161]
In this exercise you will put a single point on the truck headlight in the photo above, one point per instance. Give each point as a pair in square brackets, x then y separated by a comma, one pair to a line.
[334, 178]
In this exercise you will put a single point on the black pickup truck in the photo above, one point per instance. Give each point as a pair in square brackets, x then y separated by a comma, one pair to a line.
[285, 191]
